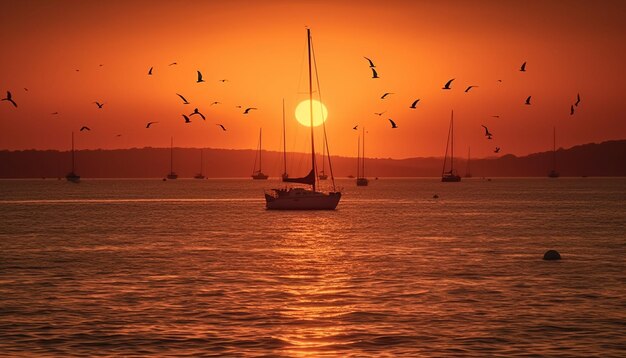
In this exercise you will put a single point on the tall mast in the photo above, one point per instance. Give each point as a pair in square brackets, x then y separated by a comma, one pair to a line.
[260, 148]
[358, 158]
[72, 152]
[284, 142]
[171, 154]
[363, 155]
[468, 160]
[452, 144]
[554, 148]
[308, 37]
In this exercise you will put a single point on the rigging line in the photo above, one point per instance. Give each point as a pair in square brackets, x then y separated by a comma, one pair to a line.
[445, 158]
[330, 164]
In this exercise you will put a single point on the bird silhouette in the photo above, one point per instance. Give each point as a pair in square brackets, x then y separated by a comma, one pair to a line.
[374, 73]
[238, 106]
[150, 123]
[216, 102]
[99, 105]
[523, 68]
[497, 150]
[183, 98]
[9, 98]
[224, 129]
[195, 111]
[487, 133]
[187, 120]
[380, 113]
[528, 100]
[355, 127]
[370, 61]
[54, 113]
[199, 77]
[447, 85]
[385, 95]
[25, 89]
[118, 135]
[469, 88]
[223, 80]
[393, 124]
[571, 110]
[496, 116]
[248, 110]
[173, 63]
[577, 99]
[150, 71]
[85, 128]
[414, 103]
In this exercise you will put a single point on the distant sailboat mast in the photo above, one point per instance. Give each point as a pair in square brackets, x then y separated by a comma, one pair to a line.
[554, 148]
[358, 158]
[73, 171]
[363, 155]
[171, 154]
[284, 144]
[308, 33]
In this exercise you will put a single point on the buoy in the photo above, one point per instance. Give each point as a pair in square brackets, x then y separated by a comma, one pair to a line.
[552, 255]
[435, 196]
[164, 179]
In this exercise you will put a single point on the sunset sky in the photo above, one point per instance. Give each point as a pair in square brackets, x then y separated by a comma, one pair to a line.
[260, 46]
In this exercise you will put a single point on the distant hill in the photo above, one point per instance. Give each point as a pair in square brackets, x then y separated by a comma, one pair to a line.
[604, 159]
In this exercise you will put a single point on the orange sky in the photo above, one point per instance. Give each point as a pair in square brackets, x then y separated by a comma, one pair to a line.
[259, 46]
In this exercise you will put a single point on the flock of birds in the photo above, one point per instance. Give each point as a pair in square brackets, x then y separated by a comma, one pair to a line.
[196, 112]
[448, 86]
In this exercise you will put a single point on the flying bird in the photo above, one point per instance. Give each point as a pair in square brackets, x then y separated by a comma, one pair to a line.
[199, 77]
[523, 68]
[118, 135]
[528, 100]
[150, 123]
[487, 133]
[25, 89]
[54, 113]
[85, 128]
[496, 116]
[221, 126]
[447, 85]
[99, 104]
[577, 99]
[223, 80]
[10, 99]
[183, 98]
[414, 104]
[393, 124]
[380, 113]
[571, 110]
[469, 88]
[216, 102]
[374, 73]
[238, 106]
[370, 61]
[150, 71]
[173, 63]
[187, 120]
[385, 95]
[195, 111]
[497, 150]
[355, 127]
[248, 110]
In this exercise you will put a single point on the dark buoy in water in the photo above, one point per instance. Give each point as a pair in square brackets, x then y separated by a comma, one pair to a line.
[164, 179]
[435, 196]
[552, 255]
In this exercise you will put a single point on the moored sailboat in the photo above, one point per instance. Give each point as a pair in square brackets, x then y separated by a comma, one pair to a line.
[200, 175]
[299, 198]
[553, 173]
[451, 175]
[361, 180]
[72, 176]
[258, 174]
[171, 175]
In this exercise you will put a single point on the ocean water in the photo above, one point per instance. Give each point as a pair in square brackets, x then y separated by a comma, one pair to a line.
[200, 268]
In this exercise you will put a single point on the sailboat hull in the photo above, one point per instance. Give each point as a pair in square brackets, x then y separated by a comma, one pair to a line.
[72, 178]
[362, 182]
[450, 178]
[301, 199]
[259, 176]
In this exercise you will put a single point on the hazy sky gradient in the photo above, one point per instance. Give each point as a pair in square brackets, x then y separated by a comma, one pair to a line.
[570, 46]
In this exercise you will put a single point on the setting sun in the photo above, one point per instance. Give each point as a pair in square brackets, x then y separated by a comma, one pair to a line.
[303, 113]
